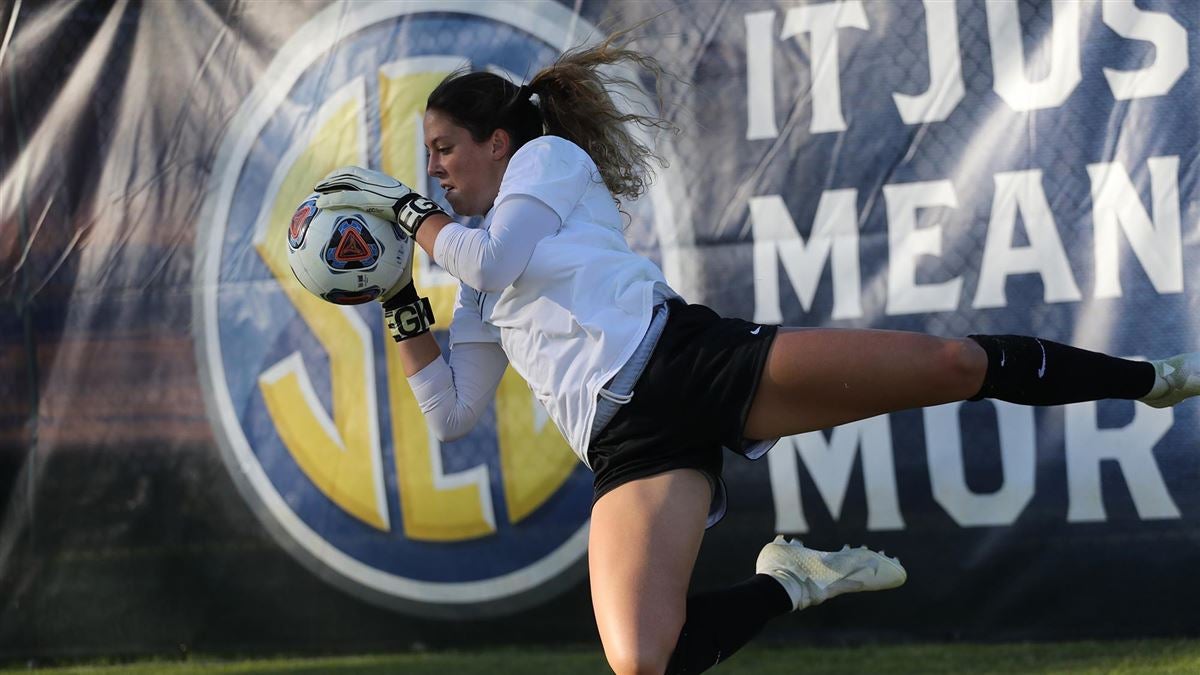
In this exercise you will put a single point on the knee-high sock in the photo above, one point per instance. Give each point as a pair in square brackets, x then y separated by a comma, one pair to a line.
[1033, 371]
[720, 622]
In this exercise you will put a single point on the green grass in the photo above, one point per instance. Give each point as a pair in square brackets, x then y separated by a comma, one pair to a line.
[1148, 657]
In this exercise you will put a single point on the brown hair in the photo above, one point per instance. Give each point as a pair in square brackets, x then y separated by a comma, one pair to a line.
[573, 102]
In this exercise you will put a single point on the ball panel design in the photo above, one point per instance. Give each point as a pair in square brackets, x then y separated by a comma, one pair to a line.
[301, 219]
[351, 246]
[342, 297]
[344, 256]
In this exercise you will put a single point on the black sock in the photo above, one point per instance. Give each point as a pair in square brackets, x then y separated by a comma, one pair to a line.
[1032, 371]
[720, 622]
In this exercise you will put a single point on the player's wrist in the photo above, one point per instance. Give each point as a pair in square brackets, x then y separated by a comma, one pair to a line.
[406, 314]
[412, 210]
[405, 296]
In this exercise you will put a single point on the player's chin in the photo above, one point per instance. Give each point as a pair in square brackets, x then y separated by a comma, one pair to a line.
[460, 206]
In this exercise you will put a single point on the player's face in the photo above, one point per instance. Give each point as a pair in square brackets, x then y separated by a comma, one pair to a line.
[469, 172]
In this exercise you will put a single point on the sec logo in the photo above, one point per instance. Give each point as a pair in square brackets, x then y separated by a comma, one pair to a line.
[308, 400]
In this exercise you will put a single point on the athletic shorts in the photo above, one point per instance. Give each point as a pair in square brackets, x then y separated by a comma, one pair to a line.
[691, 401]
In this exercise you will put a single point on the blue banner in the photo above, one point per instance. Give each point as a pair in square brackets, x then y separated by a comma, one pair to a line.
[177, 415]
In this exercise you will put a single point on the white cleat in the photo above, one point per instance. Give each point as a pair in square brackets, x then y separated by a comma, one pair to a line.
[1177, 378]
[812, 577]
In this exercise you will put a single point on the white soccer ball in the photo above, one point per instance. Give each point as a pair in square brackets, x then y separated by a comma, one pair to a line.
[346, 256]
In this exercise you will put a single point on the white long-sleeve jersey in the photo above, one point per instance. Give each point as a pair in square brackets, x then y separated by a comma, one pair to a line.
[550, 285]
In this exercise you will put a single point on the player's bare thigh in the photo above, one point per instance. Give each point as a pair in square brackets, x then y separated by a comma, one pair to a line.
[643, 543]
[816, 378]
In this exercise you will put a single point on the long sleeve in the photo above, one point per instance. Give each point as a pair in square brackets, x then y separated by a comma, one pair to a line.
[492, 259]
[453, 395]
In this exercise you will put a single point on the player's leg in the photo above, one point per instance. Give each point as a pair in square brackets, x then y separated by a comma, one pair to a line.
[790, 577]
[819, 378]
[642, 546]
[644, 538]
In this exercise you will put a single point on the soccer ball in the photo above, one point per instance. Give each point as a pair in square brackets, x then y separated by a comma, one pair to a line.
[346, 256]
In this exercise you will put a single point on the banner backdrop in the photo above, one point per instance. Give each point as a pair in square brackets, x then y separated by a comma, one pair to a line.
[196, 454]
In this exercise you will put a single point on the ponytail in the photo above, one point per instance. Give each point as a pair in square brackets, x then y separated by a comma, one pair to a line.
[572, 101]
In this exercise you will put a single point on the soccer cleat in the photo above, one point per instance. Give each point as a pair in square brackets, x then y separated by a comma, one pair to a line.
[1176, 379]
[811, 577]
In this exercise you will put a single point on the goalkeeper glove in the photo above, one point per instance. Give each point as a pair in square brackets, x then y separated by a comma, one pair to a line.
[405, 314]
[352, 187]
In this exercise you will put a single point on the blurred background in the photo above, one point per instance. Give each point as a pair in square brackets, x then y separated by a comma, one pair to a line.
[197, 456]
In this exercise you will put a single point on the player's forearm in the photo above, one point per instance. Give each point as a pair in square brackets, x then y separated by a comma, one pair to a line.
[418, 352]
[428, 232]
[454, 394]
[492, 259]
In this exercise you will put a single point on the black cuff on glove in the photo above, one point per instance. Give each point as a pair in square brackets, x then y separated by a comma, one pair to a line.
[404, 296]
[406, 315]
[411, 210]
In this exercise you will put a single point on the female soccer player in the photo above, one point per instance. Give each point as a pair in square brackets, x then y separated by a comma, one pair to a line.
[646, 388]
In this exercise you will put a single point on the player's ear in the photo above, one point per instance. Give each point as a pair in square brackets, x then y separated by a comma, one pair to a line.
[501, 144]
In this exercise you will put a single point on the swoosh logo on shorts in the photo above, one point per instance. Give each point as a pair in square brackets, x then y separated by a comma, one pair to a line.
[755, 331]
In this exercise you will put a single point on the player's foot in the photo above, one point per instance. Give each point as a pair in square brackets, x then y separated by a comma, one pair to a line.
[1177, 378]
[812, 577]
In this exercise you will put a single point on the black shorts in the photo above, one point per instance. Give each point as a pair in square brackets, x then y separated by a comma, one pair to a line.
[691, 401]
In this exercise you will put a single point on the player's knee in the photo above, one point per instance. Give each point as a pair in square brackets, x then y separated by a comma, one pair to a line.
[639, 663]
[965, 364]
[639, 659]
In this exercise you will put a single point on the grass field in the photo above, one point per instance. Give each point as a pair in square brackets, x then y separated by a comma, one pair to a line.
[1148, 657]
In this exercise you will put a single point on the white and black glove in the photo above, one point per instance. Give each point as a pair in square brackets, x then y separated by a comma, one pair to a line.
[353, 187]
[405, 313]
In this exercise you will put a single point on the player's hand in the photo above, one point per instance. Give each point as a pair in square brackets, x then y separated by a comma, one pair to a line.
[405, 313]
[353, 187]
[402, 284]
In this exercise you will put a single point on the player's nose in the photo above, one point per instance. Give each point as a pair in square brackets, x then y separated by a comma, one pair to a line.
[434, 167]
